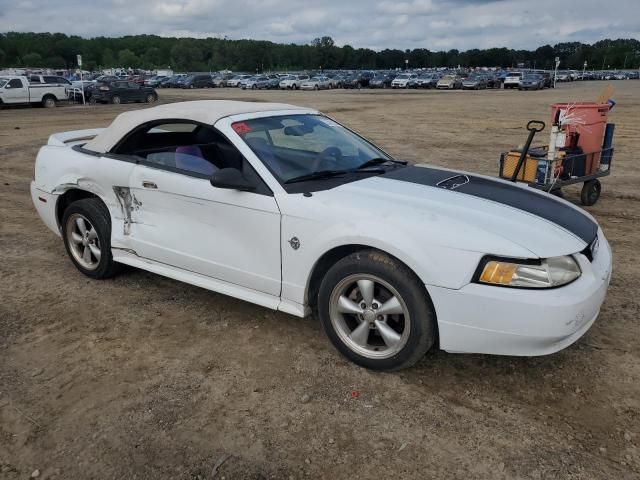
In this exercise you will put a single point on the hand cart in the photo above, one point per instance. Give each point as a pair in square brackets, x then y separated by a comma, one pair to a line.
[533, 166]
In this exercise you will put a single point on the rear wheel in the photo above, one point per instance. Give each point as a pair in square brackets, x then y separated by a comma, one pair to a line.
[86, 230]
[590, 192]
[376, 312]
[151, 98]
[48, 102]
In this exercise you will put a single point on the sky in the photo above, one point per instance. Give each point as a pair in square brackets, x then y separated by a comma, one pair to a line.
[377, 24]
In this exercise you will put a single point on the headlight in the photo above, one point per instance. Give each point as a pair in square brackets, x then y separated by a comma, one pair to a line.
[546, 273]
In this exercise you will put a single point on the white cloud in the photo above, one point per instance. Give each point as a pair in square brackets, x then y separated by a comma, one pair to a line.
[433, 24]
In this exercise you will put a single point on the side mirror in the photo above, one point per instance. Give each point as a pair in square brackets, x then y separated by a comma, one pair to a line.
[231, 178]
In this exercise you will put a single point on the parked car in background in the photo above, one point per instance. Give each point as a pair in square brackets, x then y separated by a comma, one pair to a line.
[164, 82]
[45, 90]
[202, 80]
[493, 80]
[292, 82]
[316, 83]
[394, 258]
[336, 80]
[475, 81]
[273, 81]
[512, 80]
[174, 81]
[106, 78]
[122, 91]
[243, 82]
[357, 80]
[254, 83]
[76, 89]
[403, 80]
[449, 82]
[531, 81]
[221, 80]
[425, 80]
[154, 81]
[235, 80]
[381, 80]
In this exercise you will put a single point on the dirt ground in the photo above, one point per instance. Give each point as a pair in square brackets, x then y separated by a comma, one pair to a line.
[147, 378]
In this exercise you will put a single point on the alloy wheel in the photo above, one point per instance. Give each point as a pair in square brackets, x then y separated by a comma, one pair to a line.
[369, 316]
[83, 241]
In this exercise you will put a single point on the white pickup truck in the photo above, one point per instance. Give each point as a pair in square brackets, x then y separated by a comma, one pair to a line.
[45, 90]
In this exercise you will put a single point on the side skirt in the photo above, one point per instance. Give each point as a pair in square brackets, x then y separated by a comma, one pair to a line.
[253, 296]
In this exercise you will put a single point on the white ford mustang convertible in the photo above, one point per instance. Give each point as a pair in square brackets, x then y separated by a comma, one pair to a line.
[284, 207]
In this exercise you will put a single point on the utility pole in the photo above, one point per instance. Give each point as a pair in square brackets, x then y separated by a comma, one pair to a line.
[584, 67]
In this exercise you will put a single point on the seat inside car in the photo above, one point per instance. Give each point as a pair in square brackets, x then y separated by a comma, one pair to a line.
[190, 158]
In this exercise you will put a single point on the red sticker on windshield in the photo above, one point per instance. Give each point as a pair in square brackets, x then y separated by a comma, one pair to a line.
[240, 128]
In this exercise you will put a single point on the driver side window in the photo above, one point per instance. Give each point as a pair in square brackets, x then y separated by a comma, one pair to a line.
[187, 148]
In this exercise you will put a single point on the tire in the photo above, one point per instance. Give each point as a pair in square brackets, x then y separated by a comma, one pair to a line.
[95, 216]
[254, 87]
[409, 335]
[150, 98]
[590, 192]
[48, 102]
[116, 100]
[294, 87]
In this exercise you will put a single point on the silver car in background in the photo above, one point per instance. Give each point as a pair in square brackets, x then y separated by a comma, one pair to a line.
[316, 83]
[292, 82]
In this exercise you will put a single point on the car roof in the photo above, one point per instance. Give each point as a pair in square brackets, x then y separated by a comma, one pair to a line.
[207, 112]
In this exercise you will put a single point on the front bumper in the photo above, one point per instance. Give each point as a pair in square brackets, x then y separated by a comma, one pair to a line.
[510, 321]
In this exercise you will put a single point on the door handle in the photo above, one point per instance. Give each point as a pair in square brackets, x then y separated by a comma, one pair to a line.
[146, 184]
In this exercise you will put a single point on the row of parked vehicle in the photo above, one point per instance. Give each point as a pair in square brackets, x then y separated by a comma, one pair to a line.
[532, 80]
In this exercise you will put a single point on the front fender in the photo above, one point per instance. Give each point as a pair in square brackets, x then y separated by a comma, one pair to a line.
[433, 264]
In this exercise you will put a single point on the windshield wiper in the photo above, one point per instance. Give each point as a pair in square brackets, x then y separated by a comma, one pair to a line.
[319, 175]
[379, 161]
[324, 174]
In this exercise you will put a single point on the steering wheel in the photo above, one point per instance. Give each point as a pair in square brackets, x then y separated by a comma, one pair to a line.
[333, 153]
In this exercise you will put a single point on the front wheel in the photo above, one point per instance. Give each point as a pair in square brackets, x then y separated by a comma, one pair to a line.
[376, 312]
[86, 231]
[116, 100]
[151, 98]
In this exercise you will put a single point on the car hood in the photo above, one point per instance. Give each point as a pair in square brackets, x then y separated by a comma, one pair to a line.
[465, 211]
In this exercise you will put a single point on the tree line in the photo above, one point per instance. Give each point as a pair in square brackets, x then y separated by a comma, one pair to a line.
[58, 50]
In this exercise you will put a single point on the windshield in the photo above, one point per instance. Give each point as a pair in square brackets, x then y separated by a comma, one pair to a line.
[3, 82]
[295, 145]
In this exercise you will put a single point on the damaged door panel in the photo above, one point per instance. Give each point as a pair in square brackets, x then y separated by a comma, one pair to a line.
[129, 207]
[186, 222]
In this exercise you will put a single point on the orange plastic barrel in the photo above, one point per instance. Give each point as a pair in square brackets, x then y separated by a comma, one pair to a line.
[588, 120]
